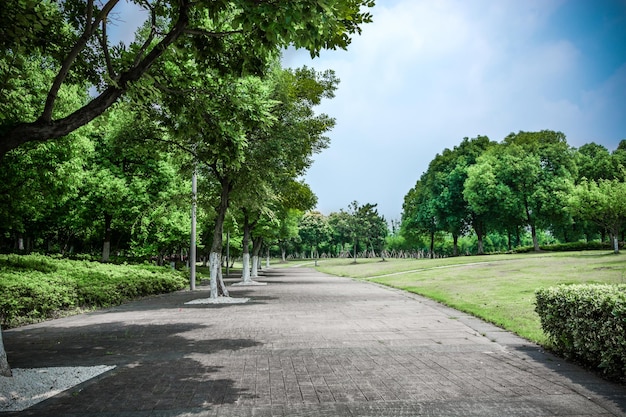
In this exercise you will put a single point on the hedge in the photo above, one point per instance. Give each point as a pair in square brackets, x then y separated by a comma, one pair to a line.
[37, 287]
[587, 323]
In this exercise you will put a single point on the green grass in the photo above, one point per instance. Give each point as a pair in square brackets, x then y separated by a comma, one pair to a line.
[497, 288]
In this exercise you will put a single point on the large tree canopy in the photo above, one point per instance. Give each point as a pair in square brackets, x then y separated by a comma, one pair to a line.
[70, 39]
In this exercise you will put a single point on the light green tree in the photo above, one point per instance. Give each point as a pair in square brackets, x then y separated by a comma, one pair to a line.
[602, 202]
[313, 231]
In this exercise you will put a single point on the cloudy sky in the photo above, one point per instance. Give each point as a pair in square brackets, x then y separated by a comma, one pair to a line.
[428, 73]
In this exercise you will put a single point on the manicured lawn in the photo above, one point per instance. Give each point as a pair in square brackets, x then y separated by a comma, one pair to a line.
[498, 288]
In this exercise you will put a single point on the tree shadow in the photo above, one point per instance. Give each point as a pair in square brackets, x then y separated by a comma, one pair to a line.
[174, 366]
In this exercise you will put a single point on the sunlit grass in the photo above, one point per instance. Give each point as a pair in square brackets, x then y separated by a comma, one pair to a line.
[498, 288]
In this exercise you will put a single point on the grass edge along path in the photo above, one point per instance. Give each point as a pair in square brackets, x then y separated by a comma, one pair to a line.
[499, 289]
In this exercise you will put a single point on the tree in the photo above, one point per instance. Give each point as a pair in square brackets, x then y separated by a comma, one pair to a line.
[446, 177]
[73, 37]
[523, 181]
[594, 162]
[314, 230]
[419, 215]
[602, 202]
[341, 234]
[490, 201]
[367, 226]
[539, 169]
[276, 156]
[127, 181]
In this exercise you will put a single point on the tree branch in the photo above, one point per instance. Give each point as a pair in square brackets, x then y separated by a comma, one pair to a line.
[105, 50]
[45, 128]
[90, 27]
[150, 37]
[202, 32]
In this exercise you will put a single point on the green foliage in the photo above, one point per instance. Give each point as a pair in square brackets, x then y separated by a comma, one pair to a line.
[37, 287]
[602, 202]
[587, 323]
[230, 37]
[568, 247]
[530, 181]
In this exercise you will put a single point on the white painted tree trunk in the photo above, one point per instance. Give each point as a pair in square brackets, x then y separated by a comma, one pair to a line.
[220, 281]
[255, 266]
[615, 244]
[214, 267]
[245, 272]
[5, 369]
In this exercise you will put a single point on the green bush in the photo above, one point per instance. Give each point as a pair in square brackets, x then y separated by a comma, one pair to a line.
[569, 247]
[36, 287]
[587, 323]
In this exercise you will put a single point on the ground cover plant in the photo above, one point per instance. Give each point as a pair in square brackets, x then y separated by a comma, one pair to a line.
[37, 287]
[497, 288]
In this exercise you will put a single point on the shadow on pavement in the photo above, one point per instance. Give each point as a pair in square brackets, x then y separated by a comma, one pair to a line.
[158, 366]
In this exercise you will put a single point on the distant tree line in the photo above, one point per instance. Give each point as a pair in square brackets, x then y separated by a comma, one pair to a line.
[529, 189]
[359, 231]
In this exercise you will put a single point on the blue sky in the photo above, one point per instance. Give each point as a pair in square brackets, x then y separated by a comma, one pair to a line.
[427, 73]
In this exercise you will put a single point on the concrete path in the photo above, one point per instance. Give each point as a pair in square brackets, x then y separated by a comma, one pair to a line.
[306, 344]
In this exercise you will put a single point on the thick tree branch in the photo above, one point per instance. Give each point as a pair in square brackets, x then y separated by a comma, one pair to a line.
[90, 27]
[45, 128]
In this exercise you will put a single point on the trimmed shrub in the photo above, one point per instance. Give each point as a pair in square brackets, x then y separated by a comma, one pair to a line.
[569, 247]
[587, 323]
[35, 287]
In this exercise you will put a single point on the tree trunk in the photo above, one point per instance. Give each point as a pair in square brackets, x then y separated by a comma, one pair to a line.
[257, 242]
[533, 232]
[5, 369]
[215, 257]
[615, 239]
[432, 245]
[106, 247]
[245, 272]
[283, 254]
[455, 244]
[222, 287]
[480, 232]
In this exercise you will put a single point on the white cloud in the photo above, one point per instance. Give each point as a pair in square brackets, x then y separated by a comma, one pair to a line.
[427, 73]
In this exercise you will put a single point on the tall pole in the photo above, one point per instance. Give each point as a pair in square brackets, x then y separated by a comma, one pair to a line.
[227, 252]
[192, 250]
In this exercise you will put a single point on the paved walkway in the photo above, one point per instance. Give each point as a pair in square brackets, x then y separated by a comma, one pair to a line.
[305, 345]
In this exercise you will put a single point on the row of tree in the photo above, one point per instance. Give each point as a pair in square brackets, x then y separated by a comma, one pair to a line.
[530, 181]
[199, 90]
[358, 229]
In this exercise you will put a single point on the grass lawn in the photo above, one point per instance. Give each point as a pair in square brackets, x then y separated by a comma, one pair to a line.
[497, 288]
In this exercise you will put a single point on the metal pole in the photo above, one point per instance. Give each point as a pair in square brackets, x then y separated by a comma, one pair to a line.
[192, 251]
[227, 252]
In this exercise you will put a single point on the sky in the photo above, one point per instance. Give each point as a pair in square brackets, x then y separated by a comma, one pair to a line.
[427, 73]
